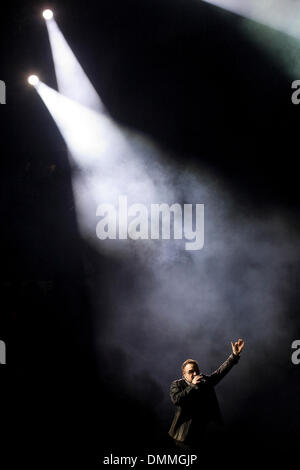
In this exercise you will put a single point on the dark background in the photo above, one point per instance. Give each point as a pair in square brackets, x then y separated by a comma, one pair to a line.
[182, 72]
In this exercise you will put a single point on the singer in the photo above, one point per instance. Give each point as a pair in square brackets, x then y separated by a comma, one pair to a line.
[195, 399]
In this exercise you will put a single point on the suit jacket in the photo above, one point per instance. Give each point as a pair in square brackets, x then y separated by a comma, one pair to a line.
[197, 405]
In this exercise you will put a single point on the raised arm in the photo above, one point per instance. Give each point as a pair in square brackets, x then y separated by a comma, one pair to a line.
[233, 359]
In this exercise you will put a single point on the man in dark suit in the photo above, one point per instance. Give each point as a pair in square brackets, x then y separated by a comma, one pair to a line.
[195, 399]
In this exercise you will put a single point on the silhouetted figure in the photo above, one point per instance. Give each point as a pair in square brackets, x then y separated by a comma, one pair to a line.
[195, 399]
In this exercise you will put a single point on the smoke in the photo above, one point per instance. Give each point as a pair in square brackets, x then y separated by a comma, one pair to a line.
[166, 304]
[155, 304]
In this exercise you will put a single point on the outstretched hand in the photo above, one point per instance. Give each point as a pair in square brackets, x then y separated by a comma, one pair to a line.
[237, 346]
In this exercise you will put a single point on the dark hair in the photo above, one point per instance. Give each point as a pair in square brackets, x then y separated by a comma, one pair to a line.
[189, 361]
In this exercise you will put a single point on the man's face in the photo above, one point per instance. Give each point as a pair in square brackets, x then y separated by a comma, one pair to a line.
[190, 371]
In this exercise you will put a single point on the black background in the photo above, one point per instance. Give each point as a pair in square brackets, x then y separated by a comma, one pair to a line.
[182, 72]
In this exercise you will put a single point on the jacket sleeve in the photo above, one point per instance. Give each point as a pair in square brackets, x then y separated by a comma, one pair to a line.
[218, 375]
[178, 396]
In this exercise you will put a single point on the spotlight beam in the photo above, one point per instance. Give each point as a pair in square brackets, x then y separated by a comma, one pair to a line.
[72, 81]
[281, 16]
[85, 132]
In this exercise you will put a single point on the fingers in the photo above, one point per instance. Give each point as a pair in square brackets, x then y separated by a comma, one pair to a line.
[240, 341]
[238, 345]
[197, 379]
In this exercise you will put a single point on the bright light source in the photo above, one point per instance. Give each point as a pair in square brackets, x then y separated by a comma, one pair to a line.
[48, 14]
[33, 80]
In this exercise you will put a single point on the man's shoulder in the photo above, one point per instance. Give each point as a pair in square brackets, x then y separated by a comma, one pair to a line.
[178, 382]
